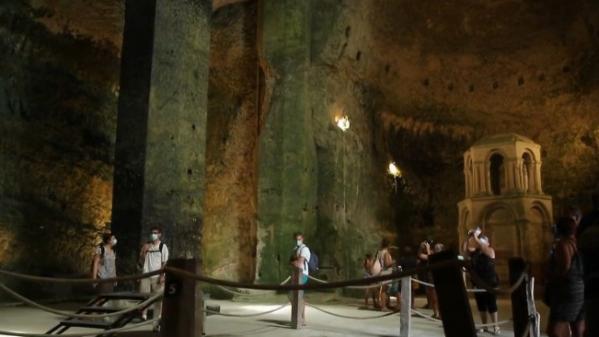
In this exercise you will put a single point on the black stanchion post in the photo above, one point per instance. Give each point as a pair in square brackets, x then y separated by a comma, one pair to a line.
[297, 301]
[452, 296]
[183, 307]
[405, 319]
[520, 312]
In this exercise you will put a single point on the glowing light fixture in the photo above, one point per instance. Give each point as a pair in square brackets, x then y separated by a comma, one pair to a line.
[342, 123]
[394, 170]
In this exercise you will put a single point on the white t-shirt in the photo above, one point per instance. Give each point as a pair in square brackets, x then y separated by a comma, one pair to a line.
[304, 252]
[155, 258]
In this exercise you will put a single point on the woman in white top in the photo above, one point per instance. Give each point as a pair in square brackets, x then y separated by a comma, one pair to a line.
[104, 264]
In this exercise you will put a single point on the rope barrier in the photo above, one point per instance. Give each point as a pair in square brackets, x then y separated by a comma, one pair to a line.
[79, 280]
[470, 290]
[478, 326]
[84, 334]
[331, 285]
[317, 279]
[483, 285]
[236, 293]
[239, 293]
[487, 325]
[352, 287]
[247, 315]
[430, 285]
[350, 317]
[425, 316]
[73, 315]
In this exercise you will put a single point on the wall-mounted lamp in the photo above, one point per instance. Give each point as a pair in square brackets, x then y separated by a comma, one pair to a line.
[342, 123]
[394, 170]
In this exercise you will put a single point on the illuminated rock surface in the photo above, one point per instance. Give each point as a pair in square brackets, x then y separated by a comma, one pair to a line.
[420, 82]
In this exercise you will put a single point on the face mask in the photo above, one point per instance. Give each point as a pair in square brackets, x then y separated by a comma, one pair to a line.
[113, 242]
[298, 242]
[153, 237]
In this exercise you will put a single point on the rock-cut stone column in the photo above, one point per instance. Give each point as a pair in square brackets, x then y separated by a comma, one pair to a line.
[161, 129]
[287, 155]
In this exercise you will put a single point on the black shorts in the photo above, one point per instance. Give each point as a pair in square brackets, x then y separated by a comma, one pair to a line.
[486, 302]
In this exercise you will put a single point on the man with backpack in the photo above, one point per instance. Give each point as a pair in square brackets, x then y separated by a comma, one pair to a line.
[304, 260]
[104, 263]
[153, 256]
[301, 257]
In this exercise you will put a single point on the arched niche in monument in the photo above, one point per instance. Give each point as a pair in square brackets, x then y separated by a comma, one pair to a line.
[497, 173]
[504, 195]
[500, 227]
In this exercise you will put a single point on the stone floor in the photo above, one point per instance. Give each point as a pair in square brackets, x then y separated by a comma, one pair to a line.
[24, 319]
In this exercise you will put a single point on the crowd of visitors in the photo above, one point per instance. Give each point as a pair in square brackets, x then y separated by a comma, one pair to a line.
[152, 257]
[571, 290]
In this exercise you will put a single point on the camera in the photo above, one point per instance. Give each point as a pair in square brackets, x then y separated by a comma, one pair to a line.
[474, 232]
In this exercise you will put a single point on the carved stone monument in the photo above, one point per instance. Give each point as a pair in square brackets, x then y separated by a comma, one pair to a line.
[504, 196]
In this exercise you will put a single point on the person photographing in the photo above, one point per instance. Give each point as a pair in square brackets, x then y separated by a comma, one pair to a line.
[482, 256]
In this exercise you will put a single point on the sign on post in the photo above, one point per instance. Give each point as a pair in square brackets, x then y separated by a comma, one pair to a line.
[520, 312]
[183, 307]
[452, 296]
[405, 316]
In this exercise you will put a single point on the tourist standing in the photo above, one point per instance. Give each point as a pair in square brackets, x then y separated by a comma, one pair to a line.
[153, 257]
[104, 263]
[382, 265]
[300, 260]
[431, 295]
[369, 292]
[588, 244]
[482, 257]
[565, 287]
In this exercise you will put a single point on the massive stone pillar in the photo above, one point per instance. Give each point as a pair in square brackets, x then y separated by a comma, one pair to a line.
[159, 168]
[287, 155]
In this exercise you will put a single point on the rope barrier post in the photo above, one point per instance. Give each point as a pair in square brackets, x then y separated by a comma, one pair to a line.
[297, 301]
[405, 318]
[535, 318]
[520, 312]
[453, 299]
[183, 307]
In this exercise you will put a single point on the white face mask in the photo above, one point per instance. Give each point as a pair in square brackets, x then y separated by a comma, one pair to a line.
[153, 237]
[113, 241]
[298, 242]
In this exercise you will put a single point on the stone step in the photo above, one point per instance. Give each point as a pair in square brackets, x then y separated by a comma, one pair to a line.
[126, 296]
[86, 324]
[102, 309]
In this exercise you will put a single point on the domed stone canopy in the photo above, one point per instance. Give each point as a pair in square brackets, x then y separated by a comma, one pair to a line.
[504, 196]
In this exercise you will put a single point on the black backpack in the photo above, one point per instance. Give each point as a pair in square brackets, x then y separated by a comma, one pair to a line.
[313, 264]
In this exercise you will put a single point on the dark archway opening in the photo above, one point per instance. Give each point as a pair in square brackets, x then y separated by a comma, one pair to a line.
[496, 173]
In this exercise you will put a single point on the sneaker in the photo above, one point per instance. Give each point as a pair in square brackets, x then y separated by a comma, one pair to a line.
[496, 330]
